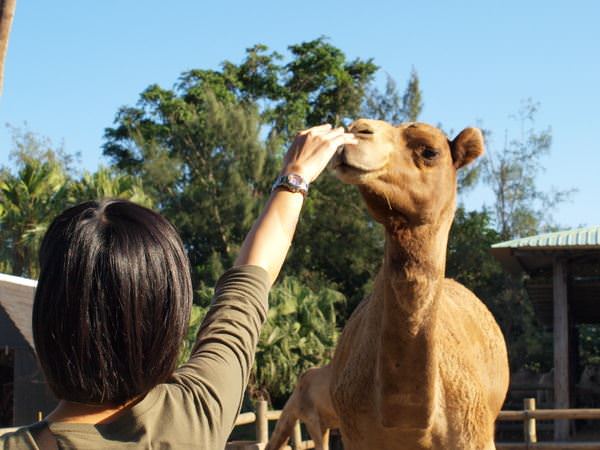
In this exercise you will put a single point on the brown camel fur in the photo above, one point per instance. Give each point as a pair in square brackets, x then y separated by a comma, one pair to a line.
[310, 403]
[421, 364]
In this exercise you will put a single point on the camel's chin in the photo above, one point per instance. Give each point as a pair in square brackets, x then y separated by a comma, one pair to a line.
[353, 175]
[350, 175]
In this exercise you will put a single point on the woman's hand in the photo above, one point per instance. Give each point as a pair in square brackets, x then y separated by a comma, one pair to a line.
[313, 148]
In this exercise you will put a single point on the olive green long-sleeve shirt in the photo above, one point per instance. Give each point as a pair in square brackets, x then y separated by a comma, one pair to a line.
[197, 408]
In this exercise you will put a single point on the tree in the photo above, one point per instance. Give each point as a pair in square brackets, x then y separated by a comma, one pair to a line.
[217, 139]
[412, 103]
[42, 184]
[7, 14]
[389, 106]
[216, 166]
[106, 183]
[386, 105]
[520, 207]
[28, 199]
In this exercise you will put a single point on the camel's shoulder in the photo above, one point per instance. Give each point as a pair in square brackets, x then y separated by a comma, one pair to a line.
[462, 297]
[454, 288]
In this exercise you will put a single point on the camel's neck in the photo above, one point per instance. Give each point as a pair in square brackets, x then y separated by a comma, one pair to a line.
[413, 268]
[409, 286]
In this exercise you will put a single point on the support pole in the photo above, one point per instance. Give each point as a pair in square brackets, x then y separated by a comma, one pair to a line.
[561, 347]
[529, 425]
[262, 423]
[297, 437]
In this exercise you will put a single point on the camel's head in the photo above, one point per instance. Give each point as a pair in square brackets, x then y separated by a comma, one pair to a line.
[407, 173]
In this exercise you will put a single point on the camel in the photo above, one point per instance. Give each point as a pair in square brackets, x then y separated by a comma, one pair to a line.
[421, 363]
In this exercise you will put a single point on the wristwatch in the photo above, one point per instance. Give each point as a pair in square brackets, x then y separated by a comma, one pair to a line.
[292, 182]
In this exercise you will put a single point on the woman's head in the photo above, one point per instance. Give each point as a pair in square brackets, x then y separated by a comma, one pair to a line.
[112, 303]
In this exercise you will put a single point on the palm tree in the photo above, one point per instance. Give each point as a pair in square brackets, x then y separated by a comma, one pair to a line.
[105, 183]
[29, 199]
[300, 333]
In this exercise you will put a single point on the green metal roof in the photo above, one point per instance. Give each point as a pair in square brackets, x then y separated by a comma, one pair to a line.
[579, 238]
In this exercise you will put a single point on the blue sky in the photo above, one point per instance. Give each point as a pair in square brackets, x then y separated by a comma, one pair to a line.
[69, 69]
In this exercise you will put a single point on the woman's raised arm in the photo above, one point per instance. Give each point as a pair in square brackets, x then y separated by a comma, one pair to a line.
[269, 239]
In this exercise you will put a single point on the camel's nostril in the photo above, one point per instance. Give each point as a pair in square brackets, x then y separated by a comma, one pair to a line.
[364, 131]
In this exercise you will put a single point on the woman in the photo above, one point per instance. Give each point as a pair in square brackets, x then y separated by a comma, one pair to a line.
[112, 307]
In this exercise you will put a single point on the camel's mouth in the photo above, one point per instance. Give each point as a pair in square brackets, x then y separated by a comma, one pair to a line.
[351, 171]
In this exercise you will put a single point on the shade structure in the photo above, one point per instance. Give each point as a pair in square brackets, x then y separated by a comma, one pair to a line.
[23, 383]
[563, 284]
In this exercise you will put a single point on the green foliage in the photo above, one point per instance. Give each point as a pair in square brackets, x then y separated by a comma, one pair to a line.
[300, 333]
[196, 316]
[208, 151]
[106, 183]
[521, 208]
[589, 344]
[30, 196]
[337, 242]
[412, 102]
[390, 106]
[30, 199]
[38, 189]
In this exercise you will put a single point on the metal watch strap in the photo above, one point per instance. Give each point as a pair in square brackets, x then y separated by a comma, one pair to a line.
[292, 182]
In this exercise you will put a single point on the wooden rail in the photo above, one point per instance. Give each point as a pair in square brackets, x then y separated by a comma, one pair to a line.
[261, 419]
[529, 415]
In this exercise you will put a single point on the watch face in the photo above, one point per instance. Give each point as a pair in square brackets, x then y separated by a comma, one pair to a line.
[292, 182]
[295, 179]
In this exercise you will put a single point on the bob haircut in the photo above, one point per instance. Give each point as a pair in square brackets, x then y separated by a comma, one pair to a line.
[112, 303]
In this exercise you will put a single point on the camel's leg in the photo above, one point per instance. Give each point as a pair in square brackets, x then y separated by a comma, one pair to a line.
[285, 425]
[319, 435]
[310, 403]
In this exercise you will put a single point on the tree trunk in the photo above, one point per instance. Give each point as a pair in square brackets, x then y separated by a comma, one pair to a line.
[7, 12]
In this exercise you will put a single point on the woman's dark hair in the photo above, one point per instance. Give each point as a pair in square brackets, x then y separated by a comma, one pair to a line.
[112, 303]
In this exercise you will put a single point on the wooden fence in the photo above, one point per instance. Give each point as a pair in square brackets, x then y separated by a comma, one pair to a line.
[261, 419]
[529, 415]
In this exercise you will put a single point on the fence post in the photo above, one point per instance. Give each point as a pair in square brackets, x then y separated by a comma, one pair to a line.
[262, 423]
[529, 425]
[297, 437]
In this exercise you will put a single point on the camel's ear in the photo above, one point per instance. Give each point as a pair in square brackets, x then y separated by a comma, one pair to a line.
[466, 147]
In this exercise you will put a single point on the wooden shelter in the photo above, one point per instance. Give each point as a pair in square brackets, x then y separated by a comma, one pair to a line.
[24, 392]
[564, 287]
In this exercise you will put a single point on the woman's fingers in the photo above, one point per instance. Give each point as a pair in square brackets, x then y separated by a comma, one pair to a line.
[316, 130]
[313, 148]
[343, 139]
[335, 142]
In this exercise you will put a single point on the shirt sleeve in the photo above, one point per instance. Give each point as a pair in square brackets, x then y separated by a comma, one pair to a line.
[219, 366]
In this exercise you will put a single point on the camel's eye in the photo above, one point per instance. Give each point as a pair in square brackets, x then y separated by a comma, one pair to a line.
[430, 153]
[364, 131]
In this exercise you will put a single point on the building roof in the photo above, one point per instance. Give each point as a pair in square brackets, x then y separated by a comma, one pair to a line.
[579, 238]
[534, 252]
[16, 298]
[536, 255]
